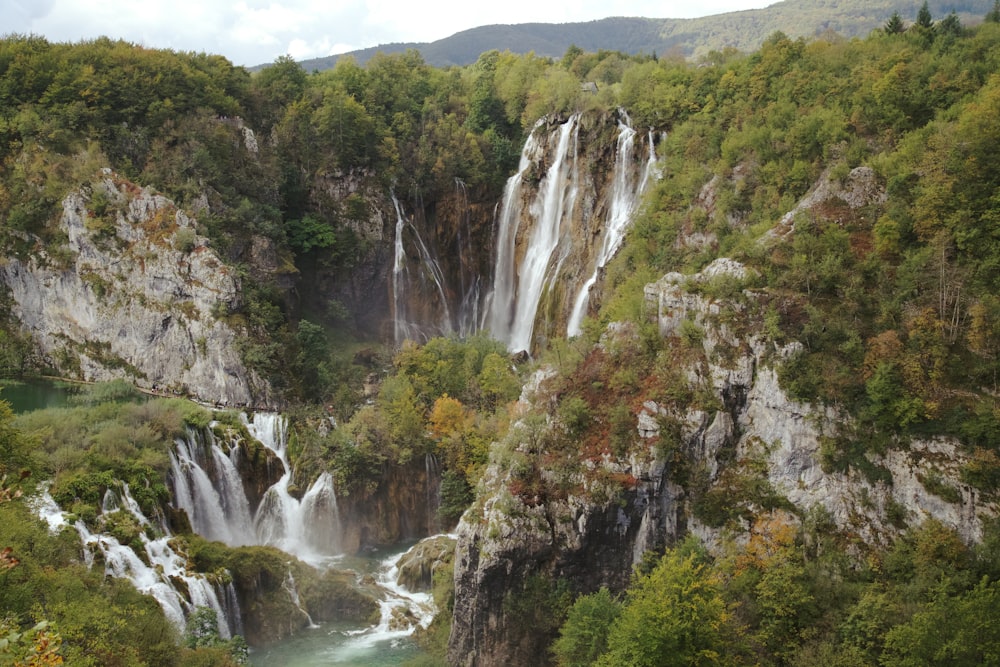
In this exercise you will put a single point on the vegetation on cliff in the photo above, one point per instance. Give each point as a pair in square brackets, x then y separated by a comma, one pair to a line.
[894, 304]
[56, 608]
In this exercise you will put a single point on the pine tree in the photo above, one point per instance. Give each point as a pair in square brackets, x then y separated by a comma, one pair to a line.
[924, 18]
[894, 25]
[994, 15]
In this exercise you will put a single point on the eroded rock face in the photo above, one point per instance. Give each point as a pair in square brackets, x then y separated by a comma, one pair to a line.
[418, 566]
[139, 295]
[402, 507]
[593, 539]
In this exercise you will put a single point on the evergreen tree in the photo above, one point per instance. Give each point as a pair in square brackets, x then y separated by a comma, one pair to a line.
[924, 18]
[994, 14]
[894, 25]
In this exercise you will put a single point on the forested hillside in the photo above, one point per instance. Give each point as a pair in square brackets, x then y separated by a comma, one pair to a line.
[854, 181]
[691, 38]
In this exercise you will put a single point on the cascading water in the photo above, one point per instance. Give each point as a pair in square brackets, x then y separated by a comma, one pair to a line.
[622, 204]
[401, 329]
[518, 286]
[165, 577]
[569, 215]
[217, 511]
[218, 508]
[310, 529]
[430, 277]
[432, 269]
[469, 280]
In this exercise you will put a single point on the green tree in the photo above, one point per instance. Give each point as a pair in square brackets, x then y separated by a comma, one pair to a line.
[924, 18]
[497, 380]
[202, 628]
[894, 25]
[953, 630]
[993, 16]
[583, 638]
[672, 616]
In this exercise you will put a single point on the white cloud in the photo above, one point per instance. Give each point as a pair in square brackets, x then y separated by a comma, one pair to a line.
[251, 32]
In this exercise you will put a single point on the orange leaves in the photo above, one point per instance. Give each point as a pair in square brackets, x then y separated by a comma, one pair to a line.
[772, 541]
[448, 417]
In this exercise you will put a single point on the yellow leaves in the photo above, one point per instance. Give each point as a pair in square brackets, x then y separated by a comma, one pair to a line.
[884, 347]
[772, 541]
[448, 417]
[984, 327]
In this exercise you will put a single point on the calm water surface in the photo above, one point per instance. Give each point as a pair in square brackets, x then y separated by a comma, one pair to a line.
[28, 395]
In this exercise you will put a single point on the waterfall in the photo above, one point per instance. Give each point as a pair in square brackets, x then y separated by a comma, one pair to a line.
[309, 529]
[430, 277]
[165, 577]
[518, 286]
[293, 593]
[622, 203]
[217, 504]
[469, 280]
[432, 269]
[216, 512]
[401, 329]
[401, 612]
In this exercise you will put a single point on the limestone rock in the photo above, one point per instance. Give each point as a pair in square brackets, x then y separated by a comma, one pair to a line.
[418, 565]
[141, 296]
[594, 538]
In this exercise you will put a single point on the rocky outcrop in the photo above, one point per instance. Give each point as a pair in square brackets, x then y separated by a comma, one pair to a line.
[402, 507]
[135, 293]
[753, 431]
[419, 565]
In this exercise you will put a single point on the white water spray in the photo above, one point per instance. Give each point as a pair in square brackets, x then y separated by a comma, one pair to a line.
[519, 286]
[309, 529]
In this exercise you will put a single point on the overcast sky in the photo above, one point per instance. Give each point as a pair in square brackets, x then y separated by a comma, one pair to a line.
[253, 32]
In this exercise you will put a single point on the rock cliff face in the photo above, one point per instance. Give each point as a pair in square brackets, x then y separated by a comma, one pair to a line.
[592, 536]
[403, 507]
[137, 294]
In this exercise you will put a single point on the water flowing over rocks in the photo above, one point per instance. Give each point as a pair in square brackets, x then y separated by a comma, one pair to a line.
[137, 294]
[562, 217]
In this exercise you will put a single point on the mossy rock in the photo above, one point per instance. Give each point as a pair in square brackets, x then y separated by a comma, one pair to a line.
[418, 565]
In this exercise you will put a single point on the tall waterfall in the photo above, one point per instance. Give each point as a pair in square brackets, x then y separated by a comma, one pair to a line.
[401, 329]
[516, 293]
[469, 279]
[429, 278]
[555, 234]
[623, 202]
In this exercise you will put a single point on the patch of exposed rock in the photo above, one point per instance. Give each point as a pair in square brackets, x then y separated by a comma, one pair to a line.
[593, 539]
[139, 294]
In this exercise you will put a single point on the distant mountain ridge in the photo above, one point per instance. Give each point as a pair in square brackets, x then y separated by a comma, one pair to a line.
[744, 30]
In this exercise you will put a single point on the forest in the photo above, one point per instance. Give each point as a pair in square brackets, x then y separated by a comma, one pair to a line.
[896, 308]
